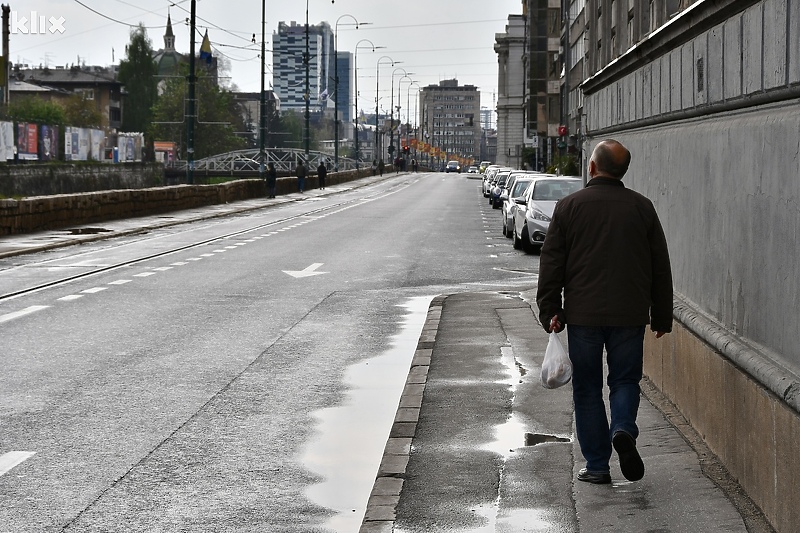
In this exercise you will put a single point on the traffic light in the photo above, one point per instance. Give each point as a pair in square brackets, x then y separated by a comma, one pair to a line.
[405, 149]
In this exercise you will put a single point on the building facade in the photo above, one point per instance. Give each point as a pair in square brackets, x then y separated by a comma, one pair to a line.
[451, 118]
[706, 95]
[289, 69]
[511, 85]
[344, 95]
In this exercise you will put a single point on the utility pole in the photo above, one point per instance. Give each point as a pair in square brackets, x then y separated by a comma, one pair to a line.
[307, 61]
[192, 103]
[262, 125]
[6, 55]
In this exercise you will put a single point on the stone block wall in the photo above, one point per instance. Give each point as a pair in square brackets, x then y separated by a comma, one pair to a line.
[64, 210]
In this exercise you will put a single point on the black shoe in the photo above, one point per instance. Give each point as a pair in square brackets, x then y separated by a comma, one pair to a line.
[629, 461]
[598, 478]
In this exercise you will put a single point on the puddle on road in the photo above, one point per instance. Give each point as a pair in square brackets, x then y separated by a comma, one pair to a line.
[349, 440]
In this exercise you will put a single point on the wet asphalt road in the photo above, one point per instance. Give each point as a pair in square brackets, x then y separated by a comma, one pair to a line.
[214, 388]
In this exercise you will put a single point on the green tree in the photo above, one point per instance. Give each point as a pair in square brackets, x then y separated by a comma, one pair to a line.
[32, 109]
[137, 72]
[81, 112]
[217, 117]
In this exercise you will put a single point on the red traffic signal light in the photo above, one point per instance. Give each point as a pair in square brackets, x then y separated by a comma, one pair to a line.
[405, 149]
[562, 130]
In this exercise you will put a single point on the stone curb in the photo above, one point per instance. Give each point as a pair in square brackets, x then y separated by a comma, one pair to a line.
[385, 496]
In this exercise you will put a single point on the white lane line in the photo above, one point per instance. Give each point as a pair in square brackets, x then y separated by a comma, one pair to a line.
[220, 251]
[162, 269]
[144, 274]
[120, 282]
[18, 314]
[240, 244]
[94, 290]
[230, 247]
[11, 459]
[195, 259]
[207, 255]
[180, 264]
[70, 297]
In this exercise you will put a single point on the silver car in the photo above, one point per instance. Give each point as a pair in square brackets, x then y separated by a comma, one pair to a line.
[535, 209]
[510, 206]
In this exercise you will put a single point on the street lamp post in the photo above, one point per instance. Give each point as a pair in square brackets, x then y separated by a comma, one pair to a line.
[399, 107]
[391, 109]
[377, 98]
[336, 89]
[408, 110]
[355, 95]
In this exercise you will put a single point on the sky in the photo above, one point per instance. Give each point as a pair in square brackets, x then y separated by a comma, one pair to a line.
[431, 41]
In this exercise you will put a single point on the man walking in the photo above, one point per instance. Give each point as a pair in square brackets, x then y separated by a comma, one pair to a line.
[301, 176]
[606, 249]
[322, 171]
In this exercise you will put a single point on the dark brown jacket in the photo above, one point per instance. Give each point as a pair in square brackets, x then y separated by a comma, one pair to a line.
[606, 249]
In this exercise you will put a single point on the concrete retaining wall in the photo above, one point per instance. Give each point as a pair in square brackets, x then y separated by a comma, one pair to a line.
[61, 211]
[712, 116]
[42, 179]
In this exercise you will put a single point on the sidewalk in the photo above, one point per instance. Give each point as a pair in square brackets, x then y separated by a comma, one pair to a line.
[488, 449]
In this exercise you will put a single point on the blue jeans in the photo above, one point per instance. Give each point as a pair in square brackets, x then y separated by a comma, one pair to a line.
[624, 348]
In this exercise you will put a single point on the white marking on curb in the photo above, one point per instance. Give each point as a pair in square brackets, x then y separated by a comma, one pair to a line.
[18, 314]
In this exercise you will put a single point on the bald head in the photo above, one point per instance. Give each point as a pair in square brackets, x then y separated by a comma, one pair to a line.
[609, 159]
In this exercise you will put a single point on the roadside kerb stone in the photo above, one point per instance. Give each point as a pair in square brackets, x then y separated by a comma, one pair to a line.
[380, 514]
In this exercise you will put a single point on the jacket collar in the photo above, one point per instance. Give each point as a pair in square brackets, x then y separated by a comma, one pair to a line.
[599, 180]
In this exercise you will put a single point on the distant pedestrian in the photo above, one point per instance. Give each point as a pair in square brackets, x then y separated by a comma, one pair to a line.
[414, 165]
[301, 176]
[322, 171]
[374, 167]
[272, 179]
[606, 250]
[381, 166]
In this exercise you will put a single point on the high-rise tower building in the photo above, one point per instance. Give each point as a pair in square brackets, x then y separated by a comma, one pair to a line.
[288, 78]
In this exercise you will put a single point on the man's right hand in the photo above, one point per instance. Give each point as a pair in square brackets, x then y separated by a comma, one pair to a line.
[556, 325]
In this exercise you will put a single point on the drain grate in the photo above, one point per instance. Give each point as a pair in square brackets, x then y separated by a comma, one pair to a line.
[87, 231]
[532, 439]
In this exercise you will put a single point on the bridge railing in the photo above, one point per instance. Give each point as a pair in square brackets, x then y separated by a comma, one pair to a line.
[284, 159]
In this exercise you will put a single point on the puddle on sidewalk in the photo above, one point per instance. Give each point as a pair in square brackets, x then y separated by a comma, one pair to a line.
[349, 440]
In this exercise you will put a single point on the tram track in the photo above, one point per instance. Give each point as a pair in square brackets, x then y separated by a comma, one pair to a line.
[10, 295]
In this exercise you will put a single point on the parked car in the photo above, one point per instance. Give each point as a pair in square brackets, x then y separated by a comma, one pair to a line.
[483, 166]
[510, 205]
[535, 209]
[488, 176]
[453, 166]
[497, 187]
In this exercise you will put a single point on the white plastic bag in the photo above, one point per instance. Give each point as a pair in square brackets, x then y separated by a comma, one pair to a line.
[556, 367]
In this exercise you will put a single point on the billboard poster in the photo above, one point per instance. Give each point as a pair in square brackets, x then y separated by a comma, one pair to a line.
[98, 140]
[6, 141]
[27, 141]
[48, 150]
[130, 147]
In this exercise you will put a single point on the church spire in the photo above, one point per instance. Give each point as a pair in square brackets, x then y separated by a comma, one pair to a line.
[169, 36]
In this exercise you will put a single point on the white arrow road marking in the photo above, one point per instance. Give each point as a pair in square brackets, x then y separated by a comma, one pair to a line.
[11, 459]
[306, 272]
[26, 311]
